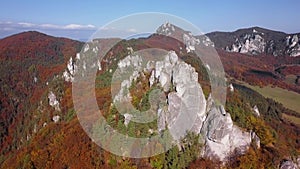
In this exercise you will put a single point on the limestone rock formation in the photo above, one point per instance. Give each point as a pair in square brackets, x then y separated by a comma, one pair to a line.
[255, 111]
[289, 164]
[53, 101]
[185, 108]
[55, 118]
[221, 137]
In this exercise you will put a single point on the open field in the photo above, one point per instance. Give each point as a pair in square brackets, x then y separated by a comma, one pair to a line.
[292, 119]
[289, 99]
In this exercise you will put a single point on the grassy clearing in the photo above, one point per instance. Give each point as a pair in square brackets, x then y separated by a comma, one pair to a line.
[292, 119]
[289, 99]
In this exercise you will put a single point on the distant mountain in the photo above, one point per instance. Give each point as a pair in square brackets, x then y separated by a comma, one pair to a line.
[256, 41]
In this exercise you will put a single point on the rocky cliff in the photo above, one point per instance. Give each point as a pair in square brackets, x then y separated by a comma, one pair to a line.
[185, 108]
[257, 41]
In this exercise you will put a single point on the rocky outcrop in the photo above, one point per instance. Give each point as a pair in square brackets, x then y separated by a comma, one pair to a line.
[289, 164]
[255, 139]
[231, 88]
[256, 41]
[184, 101]
[255, 111]
[184, 107]
[250, 43]
[83, 62]
[222, 138]
[293, 45]
[53, 101]
[253, 41]
[187, 38]
[68, 74]
[127, 119]
[55, 118]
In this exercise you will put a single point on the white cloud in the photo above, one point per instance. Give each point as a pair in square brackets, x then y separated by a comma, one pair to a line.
[107, 28]
[49, 26]
[113, 32]
[27, 25]
[7, 29]
[73, 31]
[132, 30]
[76, 26]
[69, 27]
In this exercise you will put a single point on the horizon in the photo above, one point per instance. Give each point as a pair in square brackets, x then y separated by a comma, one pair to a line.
[138, 35]
[75, 20]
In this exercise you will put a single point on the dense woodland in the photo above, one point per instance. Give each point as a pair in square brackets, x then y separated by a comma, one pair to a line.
[26, 142]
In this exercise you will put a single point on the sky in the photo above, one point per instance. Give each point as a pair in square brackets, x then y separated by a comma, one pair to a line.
[78, 19]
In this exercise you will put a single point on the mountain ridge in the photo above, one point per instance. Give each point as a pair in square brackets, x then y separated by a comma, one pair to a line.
[251, 40]
[256, 40]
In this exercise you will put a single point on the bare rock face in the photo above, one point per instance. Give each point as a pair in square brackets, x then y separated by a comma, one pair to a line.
[293, 45]
[127, 119]
[152, 78]
[257, 41]
[53, 101]
[289, 164]
[231, 88]
[186, 102]
[221, 137]
[56, 118]
[255, 139]
[132, 65]
[184, 107]
[188, 39]
[255, 111]
[68, 74]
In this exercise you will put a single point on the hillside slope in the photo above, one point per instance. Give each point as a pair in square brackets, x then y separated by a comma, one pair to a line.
[40, 128]
[28, 62]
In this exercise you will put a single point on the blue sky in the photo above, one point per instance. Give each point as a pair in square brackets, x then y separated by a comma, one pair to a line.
[77, 18]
